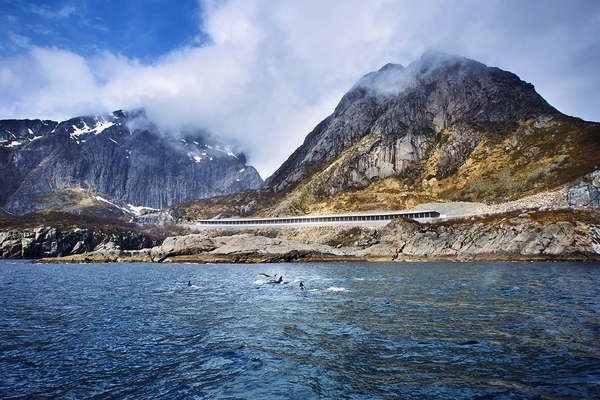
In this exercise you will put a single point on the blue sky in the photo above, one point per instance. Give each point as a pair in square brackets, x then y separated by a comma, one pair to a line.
[263, 73]
[141, 29]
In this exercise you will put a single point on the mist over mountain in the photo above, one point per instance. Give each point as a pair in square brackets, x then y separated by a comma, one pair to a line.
[444, 127]
[121, 157]
[517, 178]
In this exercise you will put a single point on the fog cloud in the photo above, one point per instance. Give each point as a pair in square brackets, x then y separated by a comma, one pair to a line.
[273, 69]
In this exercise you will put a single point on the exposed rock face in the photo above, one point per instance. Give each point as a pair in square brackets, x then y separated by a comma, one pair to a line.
[120, 156]
[514, 238]
[239, 248]
[444, 126]
[41, 242]
[559, 234]
[543, 235]
[182, 245]
[585, 192]
[404, 110]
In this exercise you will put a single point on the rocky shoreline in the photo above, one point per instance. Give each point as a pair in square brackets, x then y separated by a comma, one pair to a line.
[546, 226]
[565, 234]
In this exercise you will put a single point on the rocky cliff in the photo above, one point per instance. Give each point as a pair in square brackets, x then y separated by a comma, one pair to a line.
[120, 156]
[445, 127]
[38, 242]
[533, 235]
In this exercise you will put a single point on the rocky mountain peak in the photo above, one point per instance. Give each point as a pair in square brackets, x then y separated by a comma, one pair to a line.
[425, 120]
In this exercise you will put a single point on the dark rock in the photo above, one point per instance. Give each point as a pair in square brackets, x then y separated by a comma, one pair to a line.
[34, 243]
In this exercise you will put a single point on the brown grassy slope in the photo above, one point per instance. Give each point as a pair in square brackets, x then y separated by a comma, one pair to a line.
[227, 205]
[531, 160]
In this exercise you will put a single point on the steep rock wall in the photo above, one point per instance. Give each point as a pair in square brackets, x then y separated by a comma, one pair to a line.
[34, 243]
[117, 156]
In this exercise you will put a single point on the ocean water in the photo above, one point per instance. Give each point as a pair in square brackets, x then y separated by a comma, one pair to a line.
[358, 331]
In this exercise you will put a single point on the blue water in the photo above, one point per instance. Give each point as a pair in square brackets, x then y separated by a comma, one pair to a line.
[358, 331]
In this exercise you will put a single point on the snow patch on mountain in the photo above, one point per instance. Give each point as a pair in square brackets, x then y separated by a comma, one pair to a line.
[137, 210]
[127, 208]
[229, 151]
[96, 129]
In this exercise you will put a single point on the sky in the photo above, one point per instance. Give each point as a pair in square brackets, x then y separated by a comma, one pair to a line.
[263, 73]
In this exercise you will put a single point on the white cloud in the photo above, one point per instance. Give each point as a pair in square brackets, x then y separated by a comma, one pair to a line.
[274, 68]
[19, 40]
[50, 13]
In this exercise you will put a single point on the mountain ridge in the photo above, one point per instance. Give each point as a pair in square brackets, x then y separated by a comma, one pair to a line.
[121, 156]
[443, 128]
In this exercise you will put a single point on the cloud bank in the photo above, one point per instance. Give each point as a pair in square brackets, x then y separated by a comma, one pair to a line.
[272, 69]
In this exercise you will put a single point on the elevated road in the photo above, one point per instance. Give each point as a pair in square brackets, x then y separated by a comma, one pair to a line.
[319, 220]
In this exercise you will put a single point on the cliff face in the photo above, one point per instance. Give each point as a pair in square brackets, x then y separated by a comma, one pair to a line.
[33, 243]
[120, 156]
[446, 127]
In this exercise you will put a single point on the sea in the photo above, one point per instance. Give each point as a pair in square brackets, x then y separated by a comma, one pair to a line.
[427, 330]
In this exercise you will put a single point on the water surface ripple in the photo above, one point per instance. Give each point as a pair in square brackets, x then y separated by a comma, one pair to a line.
[358, 331]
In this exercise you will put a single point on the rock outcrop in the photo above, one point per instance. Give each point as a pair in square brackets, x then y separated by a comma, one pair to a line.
[557, 234]
[585, 192]
[40, 242]
[242, 247]
[120, 156]
[528, 236]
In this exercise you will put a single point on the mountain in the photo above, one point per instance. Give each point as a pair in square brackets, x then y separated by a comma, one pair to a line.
[443, 128]
[517, 179]
[118, 158]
